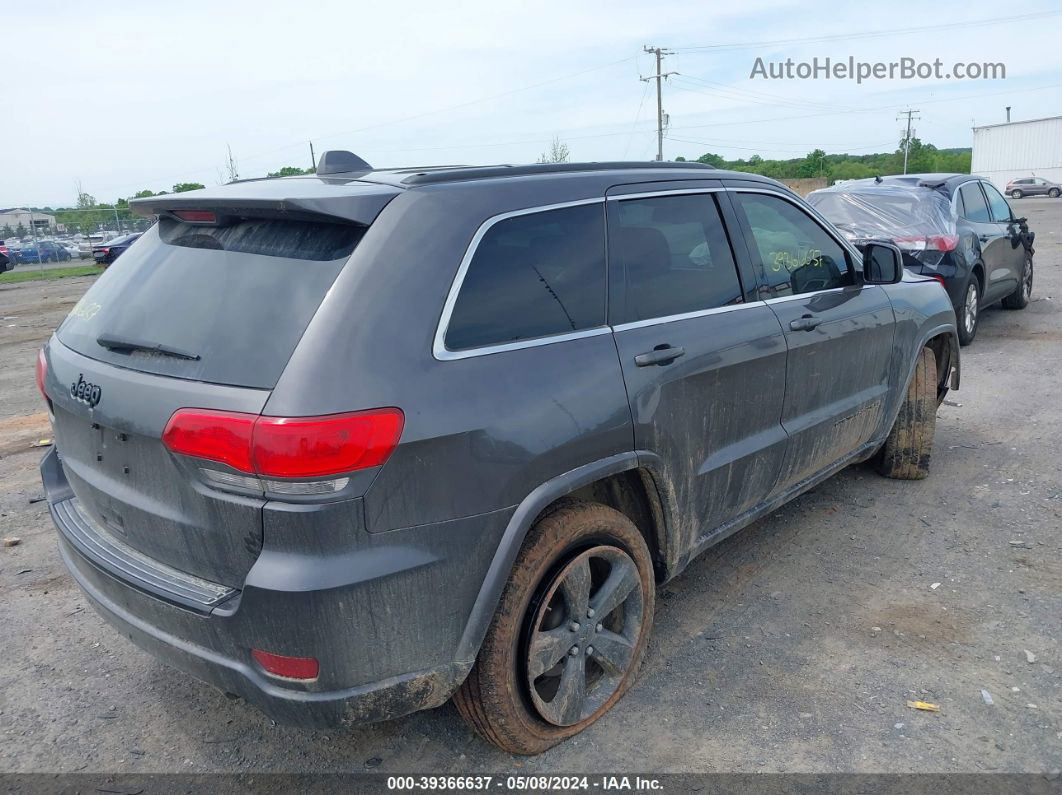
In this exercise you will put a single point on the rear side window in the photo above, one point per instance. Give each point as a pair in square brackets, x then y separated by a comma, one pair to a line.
[973, 203]
[997, 204]
[235, 316]
[533, 275]
[674, 256]
[796, 254]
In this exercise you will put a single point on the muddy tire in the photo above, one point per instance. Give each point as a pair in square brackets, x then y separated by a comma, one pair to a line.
[905, 454]
[1019, 299]
[969, 312]
[583, 577]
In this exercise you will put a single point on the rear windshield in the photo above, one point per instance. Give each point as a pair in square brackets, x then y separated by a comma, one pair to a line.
[885, 212]
[231, 302]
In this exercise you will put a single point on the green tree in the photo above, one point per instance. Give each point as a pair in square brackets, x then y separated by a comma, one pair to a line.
[813, 165]
[20, 230]
[290, 171]
[144, 194]
[85, 200]
[7, 231]
[183, 187]
[712, 160]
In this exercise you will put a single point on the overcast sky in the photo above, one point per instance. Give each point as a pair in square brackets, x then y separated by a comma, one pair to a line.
[123, 96]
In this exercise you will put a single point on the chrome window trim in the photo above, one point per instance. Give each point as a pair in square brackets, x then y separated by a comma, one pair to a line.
[656, 321]
[652, 194]
[783, 298]
[439, 349]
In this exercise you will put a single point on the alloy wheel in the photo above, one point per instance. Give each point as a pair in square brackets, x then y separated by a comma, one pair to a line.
[584, 634]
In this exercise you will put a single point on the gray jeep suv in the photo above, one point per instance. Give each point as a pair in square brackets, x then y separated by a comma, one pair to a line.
[351, 444]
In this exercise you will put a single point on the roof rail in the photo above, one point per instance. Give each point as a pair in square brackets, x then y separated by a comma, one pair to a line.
[488, 172]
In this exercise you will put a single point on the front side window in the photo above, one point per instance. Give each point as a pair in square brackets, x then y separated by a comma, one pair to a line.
[795, 253]
[534, 275]
[974, 206]
[674, 256]
[997, 204]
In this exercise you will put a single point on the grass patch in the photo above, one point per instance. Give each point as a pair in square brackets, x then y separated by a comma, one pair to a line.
[12, 277]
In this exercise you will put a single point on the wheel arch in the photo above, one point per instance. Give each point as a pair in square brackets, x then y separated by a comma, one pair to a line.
[977, 270]
[620, 481]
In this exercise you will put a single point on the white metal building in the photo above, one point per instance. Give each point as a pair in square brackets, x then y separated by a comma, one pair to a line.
[1016, 149]
[43, 222]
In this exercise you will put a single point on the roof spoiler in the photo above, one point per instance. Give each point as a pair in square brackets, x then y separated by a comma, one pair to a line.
[360, 208]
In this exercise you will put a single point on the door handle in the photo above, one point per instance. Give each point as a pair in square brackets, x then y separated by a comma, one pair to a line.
[661, 354]
[806, 323]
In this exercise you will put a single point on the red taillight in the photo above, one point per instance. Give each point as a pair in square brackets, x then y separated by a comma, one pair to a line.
[943, 242]
[930, 242]
[304, 447]
[287, 667]
[221, 436]
[938, 277]
[197, 216]
[42, 372]
[286, 447]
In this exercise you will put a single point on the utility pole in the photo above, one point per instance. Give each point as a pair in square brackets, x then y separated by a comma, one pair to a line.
[659, 78]
[907, 138]
[313, 159]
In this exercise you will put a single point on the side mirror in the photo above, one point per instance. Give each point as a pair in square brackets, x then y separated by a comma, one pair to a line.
[882, 263]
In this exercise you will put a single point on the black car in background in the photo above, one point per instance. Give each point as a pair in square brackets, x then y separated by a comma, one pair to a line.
[957, 228]
[106, 253]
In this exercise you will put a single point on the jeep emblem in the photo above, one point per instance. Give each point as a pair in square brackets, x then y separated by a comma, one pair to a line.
[85, 392]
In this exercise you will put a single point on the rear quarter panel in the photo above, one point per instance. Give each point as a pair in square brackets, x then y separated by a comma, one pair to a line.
[480, 433]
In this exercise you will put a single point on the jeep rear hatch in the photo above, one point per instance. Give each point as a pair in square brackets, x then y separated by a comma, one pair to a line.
[223, 286]
[202, 312]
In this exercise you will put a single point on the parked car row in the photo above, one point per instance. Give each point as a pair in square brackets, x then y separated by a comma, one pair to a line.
[103, 249]
[955, 228]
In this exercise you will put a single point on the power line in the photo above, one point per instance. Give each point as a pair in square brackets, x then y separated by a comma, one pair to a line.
[400, 120]
[745, 93]
[865, 110]
[868, 34]
[721, 145]
[751, 99]
[637, 118]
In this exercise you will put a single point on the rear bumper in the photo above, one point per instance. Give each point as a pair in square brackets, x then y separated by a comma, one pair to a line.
[376, 701]
[386, 631]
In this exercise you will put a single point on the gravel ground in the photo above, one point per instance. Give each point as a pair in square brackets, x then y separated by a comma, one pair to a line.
[793, 646]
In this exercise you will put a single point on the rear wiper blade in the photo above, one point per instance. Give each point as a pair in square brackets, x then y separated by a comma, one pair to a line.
[116, 343]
